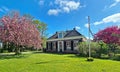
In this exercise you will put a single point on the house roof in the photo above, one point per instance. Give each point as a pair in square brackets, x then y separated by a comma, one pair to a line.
[68, 33]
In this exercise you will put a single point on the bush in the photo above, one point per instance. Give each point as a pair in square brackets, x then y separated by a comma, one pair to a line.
[90, 59]
[1, 50]
[117, 57]
[104, 56]
[84, 50]
[95, 54]
[111, 54]
[117, 51]
[5, 51]
[44, 49]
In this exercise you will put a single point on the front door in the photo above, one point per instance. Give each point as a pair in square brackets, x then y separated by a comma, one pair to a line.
[60, 46]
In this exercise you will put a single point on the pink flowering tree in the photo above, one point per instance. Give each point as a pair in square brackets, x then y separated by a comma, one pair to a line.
[20, 31]
[110, 35]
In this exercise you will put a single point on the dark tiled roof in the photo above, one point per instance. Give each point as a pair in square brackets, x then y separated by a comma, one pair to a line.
[54, 36]
[72, 33]
[68, 33]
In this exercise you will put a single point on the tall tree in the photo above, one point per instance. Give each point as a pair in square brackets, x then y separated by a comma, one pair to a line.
[42, 27]
[110, 36]
[20, 31]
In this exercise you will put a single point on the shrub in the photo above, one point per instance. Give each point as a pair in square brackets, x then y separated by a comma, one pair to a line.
[90, 59]
[84, 50]
[111, 54]
[1, 50]
[104, 56]
[5, 51]
[96, 49]
[116, 57]
[95, 54]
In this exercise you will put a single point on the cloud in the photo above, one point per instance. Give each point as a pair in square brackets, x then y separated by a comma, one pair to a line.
[115, 18]
[41, 2]
[51, 3]
[1, 10]
[65, 6]
[115, 3]
[4, 9]
[91, 38]
[86, 25]
[119, 26]
[72, 5]
[66, 9]
[77, 27]
[53, 12]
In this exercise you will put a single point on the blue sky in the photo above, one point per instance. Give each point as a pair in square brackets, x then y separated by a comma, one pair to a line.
[61, 15]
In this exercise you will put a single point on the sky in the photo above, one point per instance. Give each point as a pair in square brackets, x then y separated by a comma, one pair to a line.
[62, 15]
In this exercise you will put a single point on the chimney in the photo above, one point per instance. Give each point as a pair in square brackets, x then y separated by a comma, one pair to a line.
[74, 28]
[56, 32]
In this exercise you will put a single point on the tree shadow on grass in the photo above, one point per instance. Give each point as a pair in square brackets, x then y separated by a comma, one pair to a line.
[36, 52]
[43, 62]
[55, 53]
[76, 56]
[52, 61]
[12, 56]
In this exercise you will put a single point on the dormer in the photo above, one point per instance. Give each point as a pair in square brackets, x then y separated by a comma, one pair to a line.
[61, 34]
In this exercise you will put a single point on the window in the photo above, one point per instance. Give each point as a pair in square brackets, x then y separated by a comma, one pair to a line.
[68, 44]
[75, 43]
[54, 45]
[60, 44]
[49, 45]
[60, 35]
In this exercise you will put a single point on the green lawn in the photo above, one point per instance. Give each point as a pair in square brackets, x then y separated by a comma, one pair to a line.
[41, 62]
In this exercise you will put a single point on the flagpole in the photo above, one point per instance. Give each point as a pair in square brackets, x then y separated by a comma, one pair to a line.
[89, 36]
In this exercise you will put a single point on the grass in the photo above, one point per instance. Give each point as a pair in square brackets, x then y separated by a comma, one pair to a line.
[41, 62]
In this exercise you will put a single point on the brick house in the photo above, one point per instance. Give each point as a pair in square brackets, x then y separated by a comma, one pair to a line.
[64, 41]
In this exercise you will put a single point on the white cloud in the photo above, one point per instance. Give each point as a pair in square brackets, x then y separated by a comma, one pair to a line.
[41, 2]
[1, 10]
[66, 9]
[115, 3]
[53, 12]
[72, 5]
[97, 23]
[86, 25]
[115, 18]
[77, 27]
[91, 38]
[66, 6]
[4, 9]
[51, 3]
[119, 26]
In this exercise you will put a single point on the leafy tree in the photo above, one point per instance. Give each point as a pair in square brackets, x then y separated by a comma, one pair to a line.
[42, 27]
[20, 31]
[110, 36]
[28, 16]
[83, 48]
[96, 49]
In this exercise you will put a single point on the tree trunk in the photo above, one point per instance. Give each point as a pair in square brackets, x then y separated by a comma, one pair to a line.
[17, 50]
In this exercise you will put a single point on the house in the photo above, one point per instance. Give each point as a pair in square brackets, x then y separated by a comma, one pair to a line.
[64, 41]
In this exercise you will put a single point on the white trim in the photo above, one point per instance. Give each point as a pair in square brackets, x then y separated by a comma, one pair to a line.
[68, 38]
[62, 46]
[58, 46]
